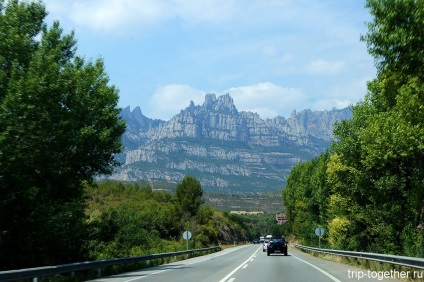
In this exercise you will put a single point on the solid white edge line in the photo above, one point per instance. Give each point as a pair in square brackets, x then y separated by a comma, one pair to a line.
[317, 268]
[238, 267]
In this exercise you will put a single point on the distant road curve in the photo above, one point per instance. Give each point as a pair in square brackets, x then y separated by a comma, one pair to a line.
[249, 263]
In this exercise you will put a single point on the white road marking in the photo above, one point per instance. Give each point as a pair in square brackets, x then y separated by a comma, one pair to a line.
[317, 268]
[244, 266]
[180, 266]
[237, 268]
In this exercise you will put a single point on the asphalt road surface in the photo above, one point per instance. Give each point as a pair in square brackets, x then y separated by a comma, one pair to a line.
[249, 263]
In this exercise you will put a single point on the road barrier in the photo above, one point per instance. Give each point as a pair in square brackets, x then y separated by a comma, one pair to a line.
[35, 273]
[391, 259]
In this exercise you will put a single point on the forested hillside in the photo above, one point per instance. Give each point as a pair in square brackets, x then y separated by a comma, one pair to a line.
[367, 190]
[129, 220]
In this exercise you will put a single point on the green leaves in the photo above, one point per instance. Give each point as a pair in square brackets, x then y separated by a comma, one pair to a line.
[20, 23]
[306, 197]
[189, 195]
[375, 172]
[59, 127]
[395, 37]
[126, 220]
[387, 127]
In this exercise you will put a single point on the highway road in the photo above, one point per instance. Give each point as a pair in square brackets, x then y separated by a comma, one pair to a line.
[249, 263]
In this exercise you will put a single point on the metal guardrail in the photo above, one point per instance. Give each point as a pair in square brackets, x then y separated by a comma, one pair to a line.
[391, 259]
[34, 273]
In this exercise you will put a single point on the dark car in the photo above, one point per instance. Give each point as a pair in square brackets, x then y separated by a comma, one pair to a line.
[277, 246]
[255, 241]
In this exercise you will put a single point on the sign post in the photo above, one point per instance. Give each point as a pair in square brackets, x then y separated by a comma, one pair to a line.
[187, 236]
[319, 232]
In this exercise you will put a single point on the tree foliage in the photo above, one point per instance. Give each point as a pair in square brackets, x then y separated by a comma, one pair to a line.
[59, 127]
[375, 172]
[305, 198]
[189, 195]
[128, 220]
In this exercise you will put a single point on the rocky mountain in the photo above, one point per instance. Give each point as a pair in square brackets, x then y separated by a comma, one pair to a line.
[226, 149]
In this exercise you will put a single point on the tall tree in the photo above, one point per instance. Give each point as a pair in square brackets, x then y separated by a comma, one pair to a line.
[305, 198]
[59, 127]
[189, 195]
[392, 142]
[375, 174]
[395, 38]
[379, 158]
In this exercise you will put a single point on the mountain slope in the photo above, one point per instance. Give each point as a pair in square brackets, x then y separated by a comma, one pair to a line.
[225, 149]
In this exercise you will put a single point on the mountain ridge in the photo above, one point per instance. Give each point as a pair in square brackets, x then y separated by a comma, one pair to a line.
[226, 149]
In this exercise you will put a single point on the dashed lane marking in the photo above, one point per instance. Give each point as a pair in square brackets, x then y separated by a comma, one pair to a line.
[237, 268]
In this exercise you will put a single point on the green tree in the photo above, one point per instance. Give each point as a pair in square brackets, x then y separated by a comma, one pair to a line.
[189, 195]
[395, 39]
[306, 198]
[378, 163]
[59, 127]
[125, 220]
[369, 192]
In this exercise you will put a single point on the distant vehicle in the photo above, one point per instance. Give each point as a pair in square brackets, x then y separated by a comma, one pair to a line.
[255, 241]
[268, 239]
[277, 246]
[261, 239]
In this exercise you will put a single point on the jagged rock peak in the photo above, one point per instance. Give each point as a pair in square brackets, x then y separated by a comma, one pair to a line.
[137, 112]
[224, 103]
[210, 99]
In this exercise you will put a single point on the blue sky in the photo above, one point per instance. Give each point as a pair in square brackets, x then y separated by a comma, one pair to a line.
[271, 56]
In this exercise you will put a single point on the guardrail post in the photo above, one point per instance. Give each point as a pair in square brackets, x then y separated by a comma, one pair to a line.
[35, 279]
[99, 272]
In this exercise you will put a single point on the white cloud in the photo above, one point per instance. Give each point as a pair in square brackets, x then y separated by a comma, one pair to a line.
[205, 11]
[328, 104]
[270, 50]
[267, 99]
[124, 16]
[118, 16]
[168, 100]
[342, 96]
[352, 91]
[321, 67]
[219, 44]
